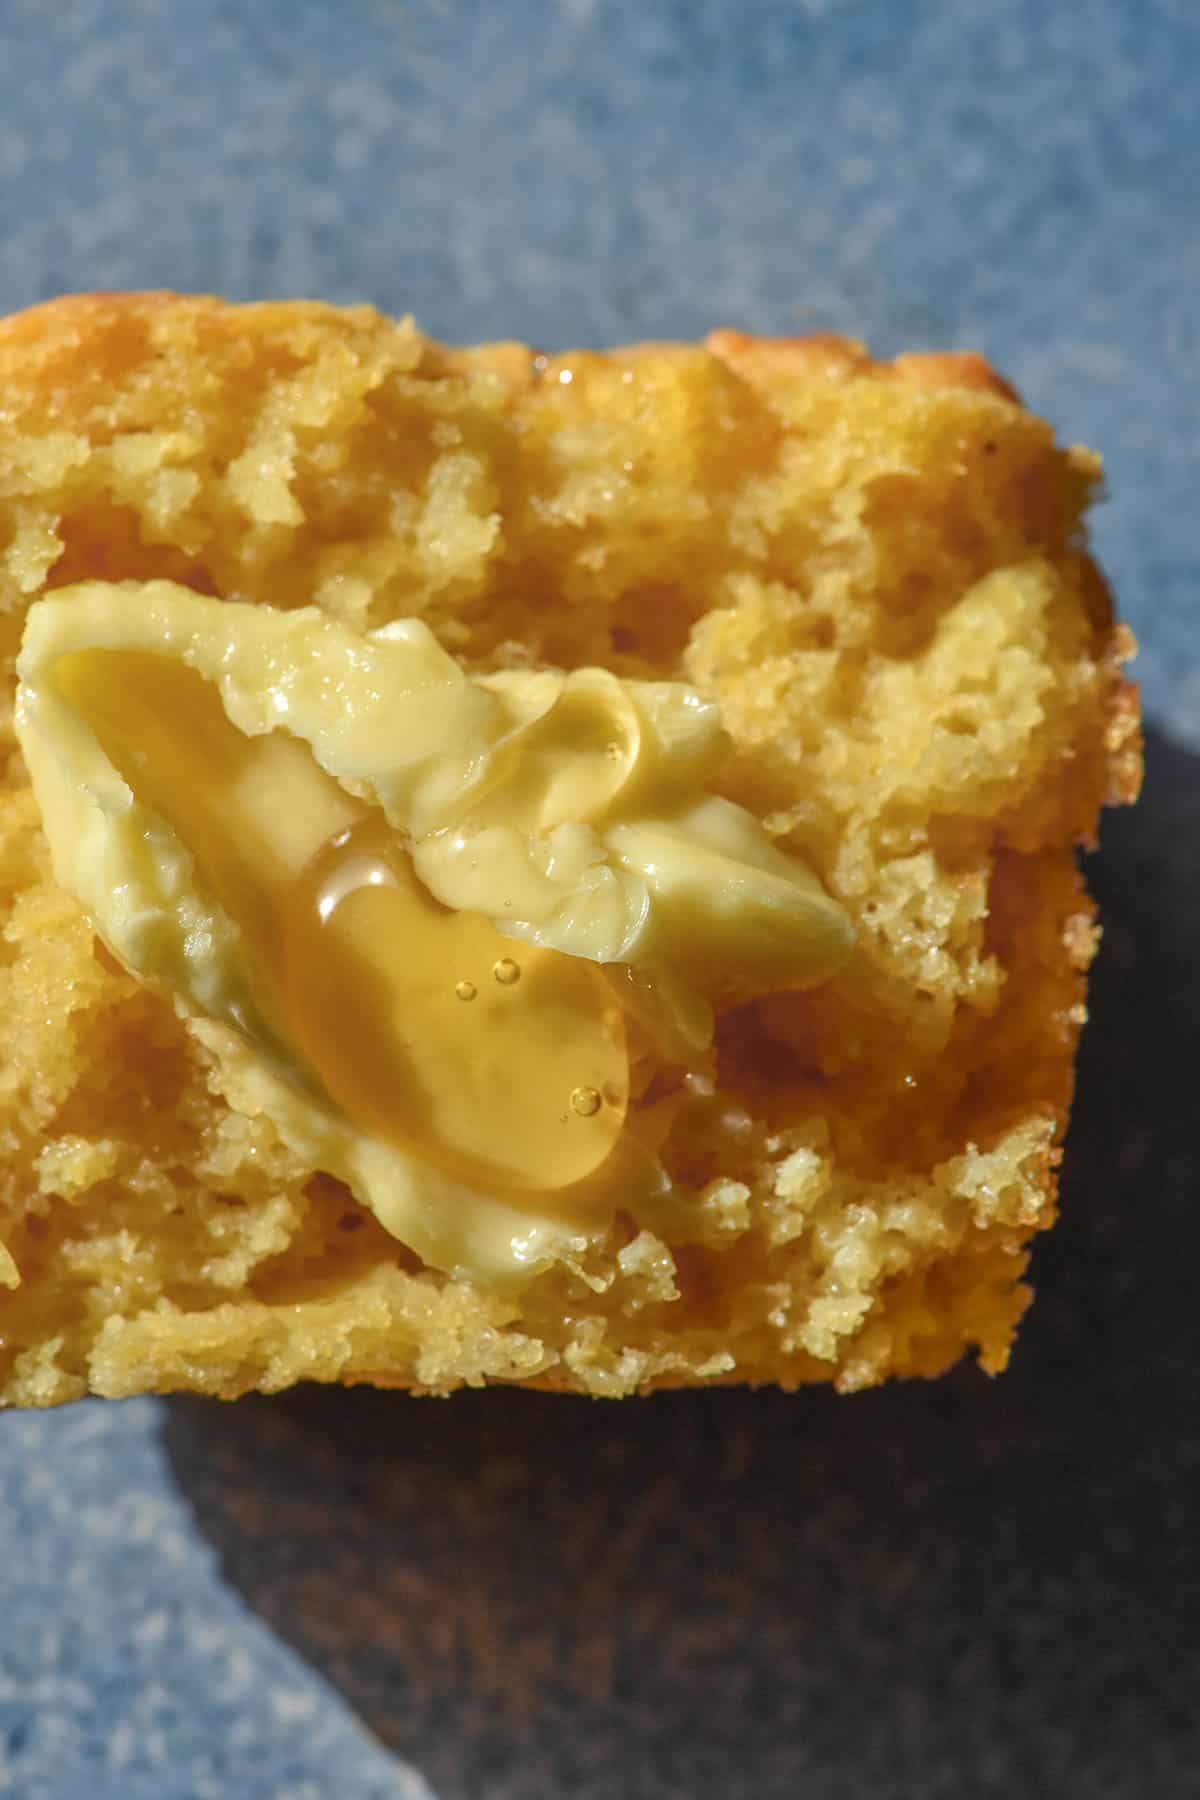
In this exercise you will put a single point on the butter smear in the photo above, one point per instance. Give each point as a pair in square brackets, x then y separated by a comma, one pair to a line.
[436, 926]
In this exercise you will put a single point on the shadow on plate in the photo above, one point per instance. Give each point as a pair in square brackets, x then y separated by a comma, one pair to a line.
[966, 1588]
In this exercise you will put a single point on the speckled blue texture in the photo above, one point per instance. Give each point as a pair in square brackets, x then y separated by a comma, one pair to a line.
[966, 1590]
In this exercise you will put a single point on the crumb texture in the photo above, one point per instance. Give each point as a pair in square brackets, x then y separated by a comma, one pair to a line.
[878, 571]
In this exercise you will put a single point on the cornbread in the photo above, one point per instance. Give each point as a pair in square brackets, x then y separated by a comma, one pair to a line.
[875, 573]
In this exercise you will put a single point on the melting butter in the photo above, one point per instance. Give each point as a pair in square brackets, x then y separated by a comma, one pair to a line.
[434, 920]
[375, 972]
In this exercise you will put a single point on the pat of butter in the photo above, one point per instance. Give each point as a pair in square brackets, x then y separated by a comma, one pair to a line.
[408, 902]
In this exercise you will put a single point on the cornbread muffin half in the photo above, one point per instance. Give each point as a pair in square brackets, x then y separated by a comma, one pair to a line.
[878, 575]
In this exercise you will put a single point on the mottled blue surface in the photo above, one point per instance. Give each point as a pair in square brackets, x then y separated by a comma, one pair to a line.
[1002, 173]
[969, 1590]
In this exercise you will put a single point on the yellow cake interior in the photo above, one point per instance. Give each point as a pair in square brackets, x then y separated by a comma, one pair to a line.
[877, 572]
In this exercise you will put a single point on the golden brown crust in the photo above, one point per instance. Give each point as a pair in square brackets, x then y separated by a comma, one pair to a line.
[825, 355]
[1123, 725]
[820, 355]
[953, 368]
[875, 568]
